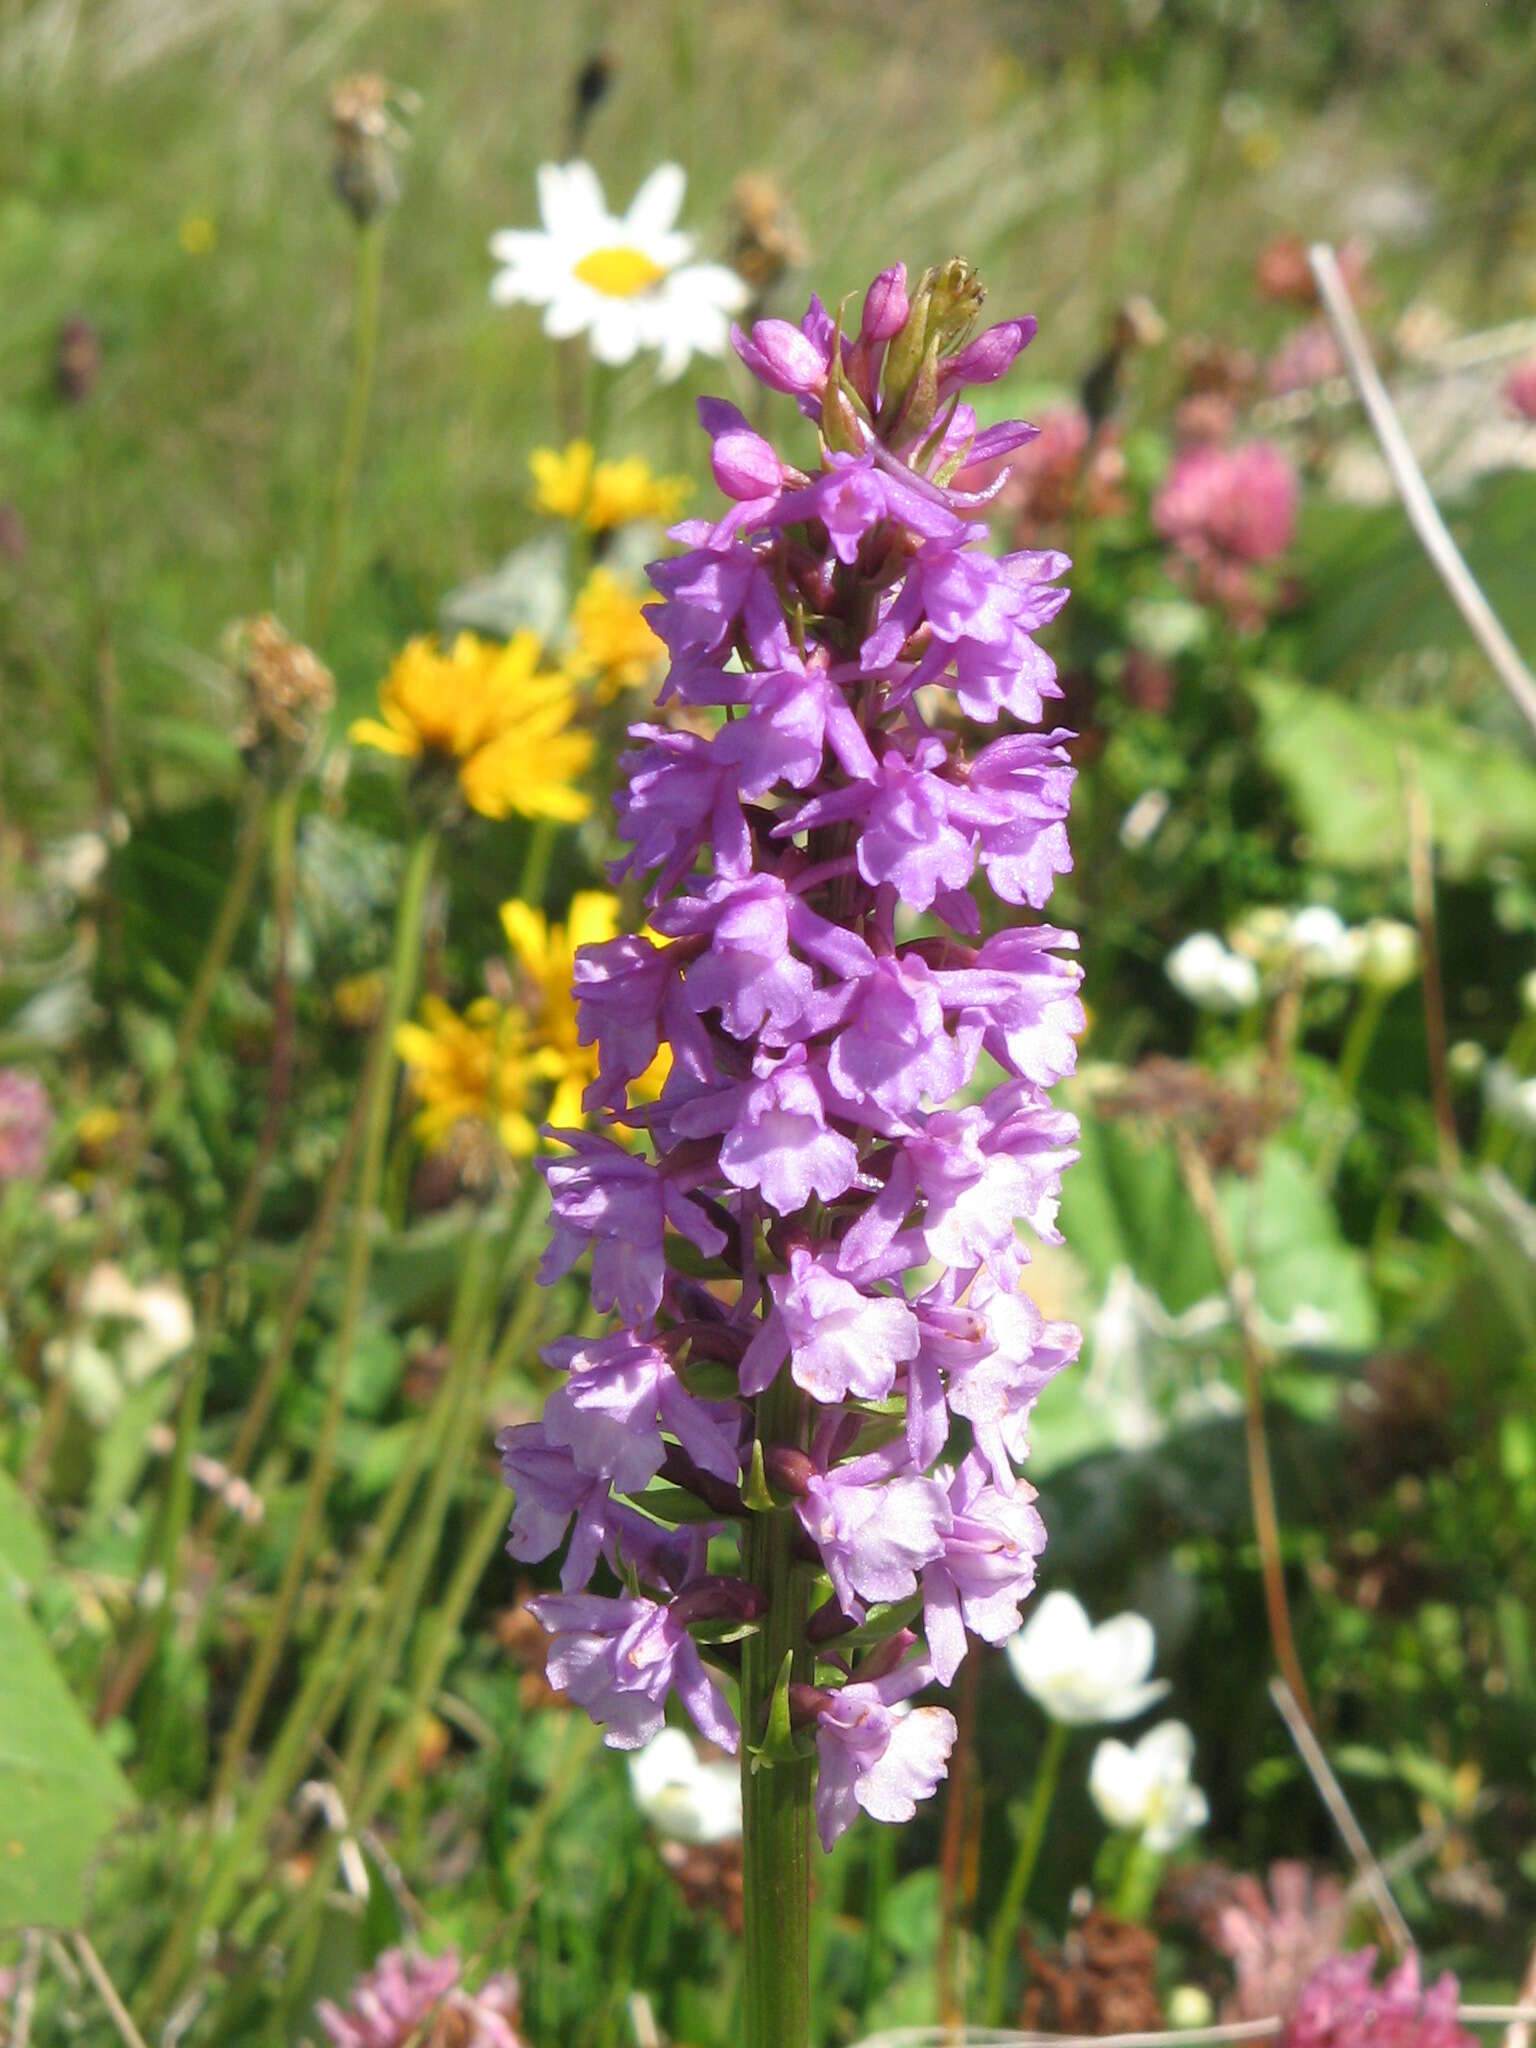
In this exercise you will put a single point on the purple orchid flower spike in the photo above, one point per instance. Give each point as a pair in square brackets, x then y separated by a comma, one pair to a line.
[814, 1252]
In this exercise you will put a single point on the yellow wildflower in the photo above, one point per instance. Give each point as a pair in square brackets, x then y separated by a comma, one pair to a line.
[570, 484]
[546, 955]
[469, 1068]
[625, 491]
[196, 234]
[614, 646]
[491, 711]
[561, 478]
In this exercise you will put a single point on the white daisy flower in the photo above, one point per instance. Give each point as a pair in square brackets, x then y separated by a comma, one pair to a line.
[626, 283]
[1147, 1790]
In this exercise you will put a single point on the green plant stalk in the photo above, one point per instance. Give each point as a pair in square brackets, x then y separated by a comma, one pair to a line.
[232, 908]
[299, 1932]
[462, 1412]
[776, 1798]
[1010, 1913]
[174, 1519]
[365, 346]
[1353, 1054]
[378, 1084]
[1138, 1881]
[375, 1103]
[333, 1668]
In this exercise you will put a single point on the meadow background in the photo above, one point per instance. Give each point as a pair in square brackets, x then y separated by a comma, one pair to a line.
[225, 1853]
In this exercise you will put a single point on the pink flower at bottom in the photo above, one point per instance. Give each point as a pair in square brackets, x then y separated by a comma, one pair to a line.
[26, 1118]
[1341, 2006]
[394, 2000]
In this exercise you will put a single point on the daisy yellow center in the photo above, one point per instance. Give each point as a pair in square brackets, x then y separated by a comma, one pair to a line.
[619, 273]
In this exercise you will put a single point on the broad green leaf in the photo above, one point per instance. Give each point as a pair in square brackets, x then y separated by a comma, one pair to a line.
[1311, 1284]
[1341, 764]
[24, 1549]
[60, 1791]
[1123, 1204]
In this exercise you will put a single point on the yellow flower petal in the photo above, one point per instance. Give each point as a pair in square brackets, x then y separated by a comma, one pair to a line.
[560, 479]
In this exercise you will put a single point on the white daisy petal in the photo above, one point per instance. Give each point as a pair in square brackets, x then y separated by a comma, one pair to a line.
[655, 207]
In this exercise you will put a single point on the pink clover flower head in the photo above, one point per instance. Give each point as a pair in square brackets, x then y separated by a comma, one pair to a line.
[1277, 1938]
[405, 1992]
[1342, 2006]
[26, 1122]
[1239, 503]
[816, 1255]
[1519, 390]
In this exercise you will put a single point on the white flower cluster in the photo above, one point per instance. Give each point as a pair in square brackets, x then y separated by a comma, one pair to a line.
[1229, 975]
[128, 1333]
[1084, 1676]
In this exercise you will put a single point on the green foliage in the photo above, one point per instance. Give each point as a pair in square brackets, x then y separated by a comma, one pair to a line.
[1342, 764]
[60, 1791]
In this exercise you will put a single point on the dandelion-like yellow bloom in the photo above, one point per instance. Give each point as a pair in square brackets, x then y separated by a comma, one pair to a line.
[561, 479]
[512, 1067]
[613, 645]
[473, 1067]
[545, 954]
[493, 713]
[569, 483]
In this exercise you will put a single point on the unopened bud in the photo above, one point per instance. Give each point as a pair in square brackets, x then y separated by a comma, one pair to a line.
[767, 240]
[942, 312]
[368, 137]
[788, 1470]
[806, 1703]
[840, 419]
[287, 690]
[76, 360]
[886, 306]
[718, 1598]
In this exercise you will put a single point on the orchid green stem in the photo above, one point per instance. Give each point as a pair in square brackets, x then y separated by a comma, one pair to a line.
[1010, 1913]
[776, 1795]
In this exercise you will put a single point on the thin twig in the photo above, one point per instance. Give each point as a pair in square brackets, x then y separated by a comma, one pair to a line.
[1168, 2037]
[1237, 1283]
[26, 1989]
[1331, 1792]
[1421, 882]
[106, 1990]
[1423, 513]
[1519, 2035]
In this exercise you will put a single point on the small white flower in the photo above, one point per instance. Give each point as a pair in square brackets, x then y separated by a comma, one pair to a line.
[1324, 944]
[76, 864]
[1511, 1096]
[1212, 978]
[625, 282]
[1147, 1790]
[1142, 821]
[156, 1319]
[1389, 953]
[681, 1796]
[1082, 1675]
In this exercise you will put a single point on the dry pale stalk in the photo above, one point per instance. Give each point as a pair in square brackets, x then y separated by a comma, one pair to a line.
[1408, 478]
